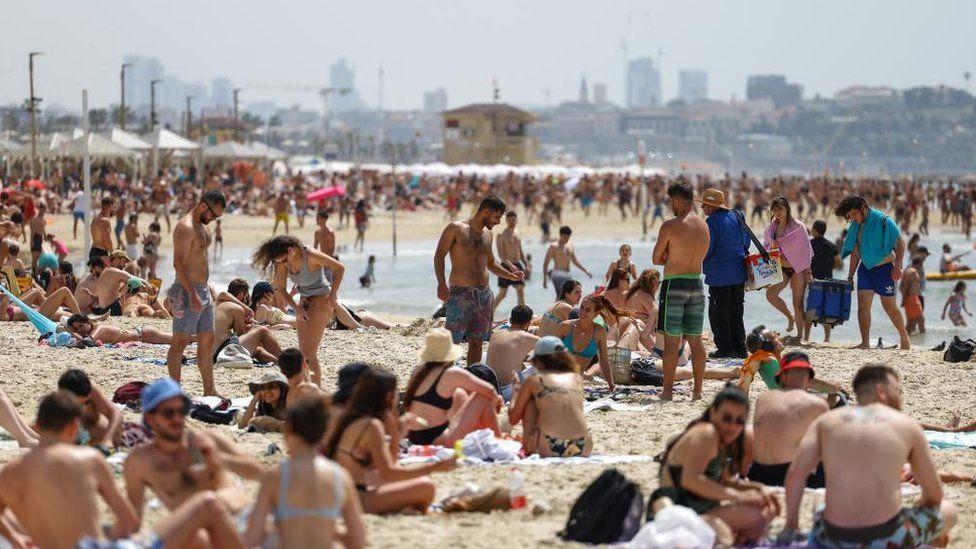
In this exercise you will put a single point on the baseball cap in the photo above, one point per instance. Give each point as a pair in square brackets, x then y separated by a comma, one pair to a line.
[348, 376]
[548, 345]
[134, 283]
[160, 391]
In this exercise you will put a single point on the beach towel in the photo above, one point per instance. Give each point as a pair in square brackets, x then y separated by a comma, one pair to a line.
[536, 461]
[880, 235]
[44, 325]
[794, 244]
[947, 441]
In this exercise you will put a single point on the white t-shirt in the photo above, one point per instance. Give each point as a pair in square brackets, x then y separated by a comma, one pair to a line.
[80, 201]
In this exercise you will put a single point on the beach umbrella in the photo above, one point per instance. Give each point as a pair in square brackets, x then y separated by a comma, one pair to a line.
[326, 193]
[44, 325]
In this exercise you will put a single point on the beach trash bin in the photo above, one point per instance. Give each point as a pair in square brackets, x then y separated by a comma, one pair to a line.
[829, 302]
[765, 272]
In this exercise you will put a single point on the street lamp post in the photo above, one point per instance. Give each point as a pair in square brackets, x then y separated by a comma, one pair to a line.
[237, 120]
[32, 108]
[152, 103]
[189, 116]
[122, 100]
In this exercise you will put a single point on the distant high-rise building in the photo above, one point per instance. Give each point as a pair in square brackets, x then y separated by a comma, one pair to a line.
[599, 93]
[141, 71]
[692, 85]
[584, 91]
[222, 93]
[342, 76]
[435, 101]
[774, 87]
[643, 84]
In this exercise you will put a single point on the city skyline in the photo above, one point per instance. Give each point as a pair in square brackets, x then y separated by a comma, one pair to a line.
[431, 44]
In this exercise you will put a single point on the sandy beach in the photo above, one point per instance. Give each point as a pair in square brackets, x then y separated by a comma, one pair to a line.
[932, 390]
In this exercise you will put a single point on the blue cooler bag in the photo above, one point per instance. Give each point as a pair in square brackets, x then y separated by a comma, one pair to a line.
[829, 302]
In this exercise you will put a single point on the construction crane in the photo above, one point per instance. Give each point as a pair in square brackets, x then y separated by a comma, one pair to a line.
[325, 92]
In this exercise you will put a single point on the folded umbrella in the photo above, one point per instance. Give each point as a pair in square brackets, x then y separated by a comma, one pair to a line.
[326, 193]
[44, 325]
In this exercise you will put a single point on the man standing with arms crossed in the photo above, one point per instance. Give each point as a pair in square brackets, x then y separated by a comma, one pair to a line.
[510, 253]
[863, 450]
[469, 300]
[681, 246]
[193, 308]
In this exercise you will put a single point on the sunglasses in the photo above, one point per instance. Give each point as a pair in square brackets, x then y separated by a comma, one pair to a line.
[170, 413]
[729, 419]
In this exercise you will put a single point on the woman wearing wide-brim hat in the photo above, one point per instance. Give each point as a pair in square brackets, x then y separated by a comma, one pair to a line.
[267, 410]
[451, 401]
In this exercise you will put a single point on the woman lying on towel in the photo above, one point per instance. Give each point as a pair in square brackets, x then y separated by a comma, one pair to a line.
[81, 326]
[57, 306]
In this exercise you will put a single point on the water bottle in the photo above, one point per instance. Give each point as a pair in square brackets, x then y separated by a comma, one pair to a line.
[516, 489]
[422, 450]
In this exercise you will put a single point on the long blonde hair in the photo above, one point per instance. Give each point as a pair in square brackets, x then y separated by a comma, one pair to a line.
[648, 281]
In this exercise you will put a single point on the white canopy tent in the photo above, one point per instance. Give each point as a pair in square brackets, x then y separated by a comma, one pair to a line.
[167, 141]
[269, 153]
[8, 147]
[232, 149]
[128, 140]
[98, 147]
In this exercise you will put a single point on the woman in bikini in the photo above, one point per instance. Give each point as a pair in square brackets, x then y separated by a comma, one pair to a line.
[289, 259]
[699, 467]
[795, 256]
[618, 287]
[586, 337]
[470, 404]
[622, 264]
[569, 297]
[550, 404]
[306, 493]
[366, 442]
[265, 310]
[81, 326]
[57, 306]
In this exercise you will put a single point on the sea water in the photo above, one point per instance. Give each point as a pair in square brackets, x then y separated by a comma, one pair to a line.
[405, 285]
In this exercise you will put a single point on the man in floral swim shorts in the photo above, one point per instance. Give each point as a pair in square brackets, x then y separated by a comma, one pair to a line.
[469, 299]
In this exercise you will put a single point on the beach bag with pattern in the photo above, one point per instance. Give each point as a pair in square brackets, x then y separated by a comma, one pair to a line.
[959, 350]
[619, 359]
[608, 511]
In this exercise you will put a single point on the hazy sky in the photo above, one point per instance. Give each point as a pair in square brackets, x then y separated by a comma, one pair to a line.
[528, 45]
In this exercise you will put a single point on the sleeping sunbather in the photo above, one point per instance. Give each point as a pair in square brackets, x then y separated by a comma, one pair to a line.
[81, 326]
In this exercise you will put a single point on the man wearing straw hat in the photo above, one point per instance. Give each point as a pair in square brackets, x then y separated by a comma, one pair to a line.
[725, 275]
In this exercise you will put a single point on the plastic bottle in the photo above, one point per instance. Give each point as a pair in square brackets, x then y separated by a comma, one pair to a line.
[422, 450]
[516, 489]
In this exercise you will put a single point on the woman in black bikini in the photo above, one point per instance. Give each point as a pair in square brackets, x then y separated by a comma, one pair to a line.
[359, 444]
[470, 406]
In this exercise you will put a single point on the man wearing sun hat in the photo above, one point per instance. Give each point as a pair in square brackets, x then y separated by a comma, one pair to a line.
[780, 421]
[725, 275]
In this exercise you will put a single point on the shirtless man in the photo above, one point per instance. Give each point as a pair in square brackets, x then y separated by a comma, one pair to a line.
[107, 297]
[469, 299]
[101, 421]
[911, 296]
[81, 326]
[780, 421]
[561, 253]
[193, 308]
[131, 231]
[120, 215]
[101, 230]
[160, 200]
[507, 350]
[863, 450]
[234, 324]
[324, 239]
[292, 364]
[281, 212]
[681, 246]
[38, 229]
[509, 246]
[73, 476]
[179, 464]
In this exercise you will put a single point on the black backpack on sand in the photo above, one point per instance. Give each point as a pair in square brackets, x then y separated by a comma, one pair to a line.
[959, 350]
[643, 372]
[608, 511]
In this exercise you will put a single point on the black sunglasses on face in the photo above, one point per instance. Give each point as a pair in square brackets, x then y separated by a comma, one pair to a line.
[170, 413]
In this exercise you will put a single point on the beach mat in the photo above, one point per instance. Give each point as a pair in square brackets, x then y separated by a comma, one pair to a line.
[535, 460]
[945, 441]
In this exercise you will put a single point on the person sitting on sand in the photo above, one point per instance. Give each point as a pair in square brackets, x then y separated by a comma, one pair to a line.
[233, 326]
[12, 260]
[698, 470]
[550, 404]
[180, 465]
[766, 348]
[292, 365]
[60, 473]
[617, 287]
[507, 350]
[366, 442]
[267, 410]
[569, 298]
[107, 296]
[14, 424]
[470, 404]
[81, 326]
[306, 493]
[266, 313]
[142, 301]
[862, 449]
[101, 421]
[586, 338]
[346, 381]
[780, 421]
[56, 306]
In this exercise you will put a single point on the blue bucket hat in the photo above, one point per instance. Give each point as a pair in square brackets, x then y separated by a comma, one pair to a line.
[159, 392]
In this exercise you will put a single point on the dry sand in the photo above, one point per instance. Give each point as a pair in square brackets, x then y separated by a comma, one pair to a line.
[932, 390]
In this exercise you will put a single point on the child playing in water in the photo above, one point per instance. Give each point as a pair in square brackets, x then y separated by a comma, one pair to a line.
[367, 279]
[956, 304]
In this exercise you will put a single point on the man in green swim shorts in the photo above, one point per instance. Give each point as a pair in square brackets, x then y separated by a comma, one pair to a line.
[682, 243]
